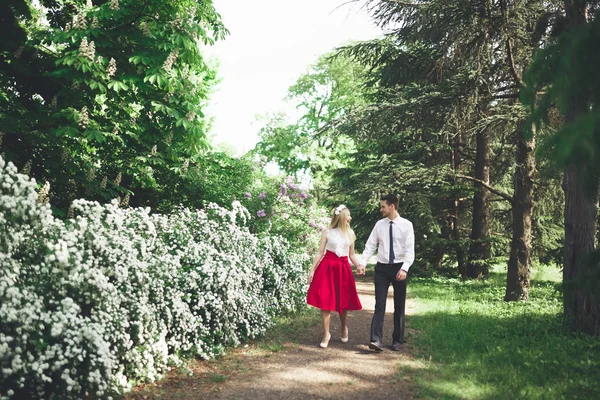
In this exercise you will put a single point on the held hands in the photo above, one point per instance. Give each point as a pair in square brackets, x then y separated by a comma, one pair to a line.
[360, 270]
[401, 275]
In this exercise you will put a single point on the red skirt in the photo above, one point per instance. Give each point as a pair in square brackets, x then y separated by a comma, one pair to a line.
[333, 287]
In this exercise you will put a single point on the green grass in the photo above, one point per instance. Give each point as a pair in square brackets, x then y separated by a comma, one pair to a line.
[290, 329]
[217, 378]
[476, 346]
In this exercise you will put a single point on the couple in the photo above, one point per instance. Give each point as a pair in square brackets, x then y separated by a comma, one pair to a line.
[332, 286]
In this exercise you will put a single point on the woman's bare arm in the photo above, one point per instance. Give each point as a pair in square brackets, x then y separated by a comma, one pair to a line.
[318, 256]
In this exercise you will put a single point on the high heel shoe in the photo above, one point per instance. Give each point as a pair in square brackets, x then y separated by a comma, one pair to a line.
[324, 344]
[345, 339]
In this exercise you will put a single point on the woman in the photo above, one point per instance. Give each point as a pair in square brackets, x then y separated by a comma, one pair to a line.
[332, 286]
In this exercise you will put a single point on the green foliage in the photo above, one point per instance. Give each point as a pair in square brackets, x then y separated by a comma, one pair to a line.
[445, 71]
[476, 346]
[562, 76]
[280, 142]
[404, 144]
[548, 230]
[210, 177]
[562, 92]
[280, 206]
[99, 89]
[329, 89]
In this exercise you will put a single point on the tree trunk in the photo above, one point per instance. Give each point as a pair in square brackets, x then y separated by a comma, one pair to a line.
[460, 252]
[519, 263]
[440, 248]
[479, 250]
[581, 211]
[455, 220]
[438, 257]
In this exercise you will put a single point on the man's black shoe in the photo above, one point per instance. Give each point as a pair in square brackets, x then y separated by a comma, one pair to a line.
[396, 346]
[377, 346]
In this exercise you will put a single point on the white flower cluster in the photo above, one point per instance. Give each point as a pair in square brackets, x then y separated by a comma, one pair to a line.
[112, 67]
[118, 178]
[44, 194]
[185, 73]
[79, 21]
[91, 174]
[114, 5]
[171, 58]
[145, 29]
[190, 115]
[113, 295]
[87, 50]
[84, 118]
[125, 201]
[26, 168]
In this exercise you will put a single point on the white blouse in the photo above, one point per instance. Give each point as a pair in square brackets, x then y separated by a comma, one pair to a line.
[338, 243]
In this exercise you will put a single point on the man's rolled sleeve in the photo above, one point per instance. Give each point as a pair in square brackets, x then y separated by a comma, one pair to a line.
[409, 248]
[370, 247]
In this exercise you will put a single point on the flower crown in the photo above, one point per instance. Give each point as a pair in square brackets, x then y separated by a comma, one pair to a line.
[339, 209]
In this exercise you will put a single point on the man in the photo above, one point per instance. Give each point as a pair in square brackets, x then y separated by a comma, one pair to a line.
[393, 262]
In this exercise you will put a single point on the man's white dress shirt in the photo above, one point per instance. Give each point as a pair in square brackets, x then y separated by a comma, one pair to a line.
[404, 242]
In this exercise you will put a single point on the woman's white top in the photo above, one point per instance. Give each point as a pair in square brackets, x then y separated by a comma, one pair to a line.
[337, 242]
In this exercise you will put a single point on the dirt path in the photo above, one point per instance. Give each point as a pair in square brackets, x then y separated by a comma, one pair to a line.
[303, 370]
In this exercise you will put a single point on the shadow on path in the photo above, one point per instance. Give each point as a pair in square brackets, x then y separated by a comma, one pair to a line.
[304, 370]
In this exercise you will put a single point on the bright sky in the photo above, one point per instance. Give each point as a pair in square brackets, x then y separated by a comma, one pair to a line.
[272, 43]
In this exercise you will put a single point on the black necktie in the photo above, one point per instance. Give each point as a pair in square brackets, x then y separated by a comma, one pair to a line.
[391, 258]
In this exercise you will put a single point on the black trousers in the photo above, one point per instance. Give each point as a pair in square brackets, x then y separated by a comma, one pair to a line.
[384, 275]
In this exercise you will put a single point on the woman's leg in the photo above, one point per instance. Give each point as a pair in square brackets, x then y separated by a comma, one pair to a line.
[326, 317]
[343, 319]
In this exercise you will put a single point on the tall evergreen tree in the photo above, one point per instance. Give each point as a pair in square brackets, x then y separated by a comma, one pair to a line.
[529, 34]
[563, 82]
[476, 50]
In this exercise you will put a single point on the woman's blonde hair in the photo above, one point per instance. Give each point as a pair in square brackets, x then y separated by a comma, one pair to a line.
[339, 219]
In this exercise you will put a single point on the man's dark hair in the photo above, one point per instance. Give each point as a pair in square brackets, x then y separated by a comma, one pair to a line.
[391, 199]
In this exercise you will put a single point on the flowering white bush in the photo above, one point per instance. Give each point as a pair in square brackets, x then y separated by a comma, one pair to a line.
[112, 296]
